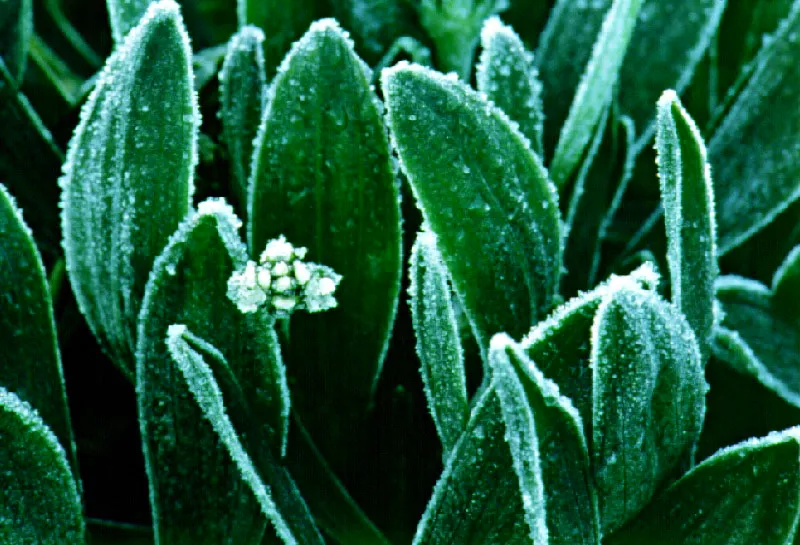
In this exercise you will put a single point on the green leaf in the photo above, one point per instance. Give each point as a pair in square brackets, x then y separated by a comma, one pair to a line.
[16, 28]
[206, 65]
[648, 400]
[687, 196]
[439, 348]
[508, 77]
[757, 338]
[243, 95]
[594, 93]
[270, 484]
[741, 495]
[545, 435]
[786, 285]
[477, 499]
[130, 160]
[28, 152]
[31, 362]
[124, 15]
[282, 23]
[188, 285]
[322, 155]
[496, 219]
[754, 150]
[39, 499]
[104, 532]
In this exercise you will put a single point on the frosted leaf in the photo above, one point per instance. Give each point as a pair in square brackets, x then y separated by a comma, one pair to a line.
[193, 467]
[477, 499]
[130, 160]
[648, 400]
[123, 15]
[754, 150]
[291, 520]
[743, 494]
[687, 196]
[441, 357]
[593, 95]
[31, 362]
[500, 244]
[39, 498]
[545, 434]
[243, 95]
[16, 28]
[507, 75]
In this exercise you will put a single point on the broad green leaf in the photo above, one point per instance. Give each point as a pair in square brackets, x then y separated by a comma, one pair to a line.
[243, 95]
[545, 435]
[496, 218]
[741, 495]
[786, 285]
[16, 28]
[687, 196]
[648, 400]
[754, 151]
[455, 26]
[757, 337]
[196, 490]
[31, 363]
[124, 15]
[439, 348]
[282, 22]
[272, 487]
[29, 154]
[39, 499]
[322, 155]
[508, 77]
[477, 499]
[594, 93]
[130, 160]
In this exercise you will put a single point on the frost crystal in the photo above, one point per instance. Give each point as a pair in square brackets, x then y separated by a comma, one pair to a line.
[282, 282]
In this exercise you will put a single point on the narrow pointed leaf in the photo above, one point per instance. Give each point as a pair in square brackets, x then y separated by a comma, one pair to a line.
[743, 494]
[687, 196]
[130, 160]
[31, 362]
[282, 23]
[196, 489]
[243, 95]
[438, 341]
[593, 95]
[277, 497]
[786, 285]
[507, 75]
[323, 155]
[648, 400]
[477, 499]
[124, 15]
[16, 28]
[758, 337]
[754, 151]
[39, 499]
[496, 219]
[545, 434]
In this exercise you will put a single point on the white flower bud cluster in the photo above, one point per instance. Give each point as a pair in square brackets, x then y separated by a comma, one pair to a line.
[282, 282]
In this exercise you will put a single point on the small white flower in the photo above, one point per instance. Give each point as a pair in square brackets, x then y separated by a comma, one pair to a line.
[283, 284]
[284, 303]
[278, 249]
[281, 268]
[264, 278]
[244, 291]
[301, 273]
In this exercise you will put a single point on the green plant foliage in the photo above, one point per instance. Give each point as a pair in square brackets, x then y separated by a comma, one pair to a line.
[130, 160]
[31, 364]
[243, 96]
[16, 27]
[123, 15]
[593, 95]
[508, 77]
[687, 195]
[188, 285]
[39, 499]
[743, 494]
[545, 435]
[786, 285]
[322, 147]
[753, 151]
[757, 336]
[496, 219]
